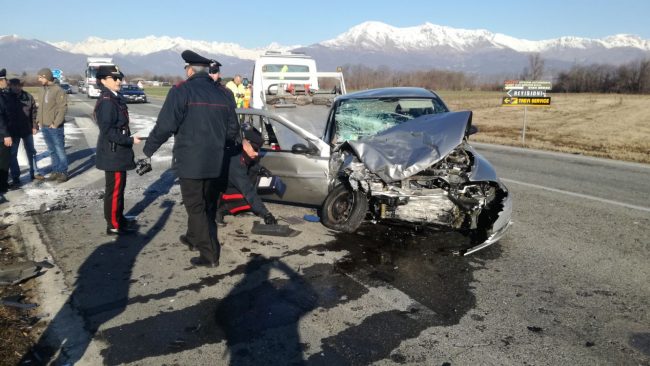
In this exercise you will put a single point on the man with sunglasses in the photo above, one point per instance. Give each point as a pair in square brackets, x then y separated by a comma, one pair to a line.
[203, 121]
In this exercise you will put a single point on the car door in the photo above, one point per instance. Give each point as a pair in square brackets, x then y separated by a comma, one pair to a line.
[298, 157]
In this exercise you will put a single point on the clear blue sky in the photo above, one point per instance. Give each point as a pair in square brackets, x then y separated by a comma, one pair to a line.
[288, 22]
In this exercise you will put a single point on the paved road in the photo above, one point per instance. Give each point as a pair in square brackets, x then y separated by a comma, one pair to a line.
[567, 285]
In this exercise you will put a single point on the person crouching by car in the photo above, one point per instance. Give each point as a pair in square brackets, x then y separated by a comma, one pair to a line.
[114, 148]
[244, 168]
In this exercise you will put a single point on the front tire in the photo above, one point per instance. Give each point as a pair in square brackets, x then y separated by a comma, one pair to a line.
[344, 209]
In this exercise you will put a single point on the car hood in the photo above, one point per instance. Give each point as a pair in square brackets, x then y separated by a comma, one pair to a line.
[408, 148]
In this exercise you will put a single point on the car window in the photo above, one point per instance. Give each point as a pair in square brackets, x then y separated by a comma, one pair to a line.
[276, 135]
[357, 118]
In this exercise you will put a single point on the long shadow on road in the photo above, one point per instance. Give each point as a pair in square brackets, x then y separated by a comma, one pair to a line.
[101, 290]
[258, 320]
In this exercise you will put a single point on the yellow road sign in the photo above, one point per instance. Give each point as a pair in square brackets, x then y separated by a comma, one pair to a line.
[513, 101]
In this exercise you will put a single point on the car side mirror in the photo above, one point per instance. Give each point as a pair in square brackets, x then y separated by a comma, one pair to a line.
[472, 130]
[300, 149]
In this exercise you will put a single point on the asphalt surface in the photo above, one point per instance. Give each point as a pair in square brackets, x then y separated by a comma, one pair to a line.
[568, 284]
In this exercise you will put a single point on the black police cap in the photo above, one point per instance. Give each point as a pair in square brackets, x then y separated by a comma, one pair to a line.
[3, 74]
[214, 66]
[193, 58]
[109, 70]
[254, 137]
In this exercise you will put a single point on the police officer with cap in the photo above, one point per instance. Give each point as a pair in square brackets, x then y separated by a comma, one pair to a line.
[242, 168]
[202, 121]
[215, 74]
[241, 194]
[114, 152]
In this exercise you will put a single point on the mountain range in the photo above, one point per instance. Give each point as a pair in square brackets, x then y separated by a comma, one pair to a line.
[373, 44]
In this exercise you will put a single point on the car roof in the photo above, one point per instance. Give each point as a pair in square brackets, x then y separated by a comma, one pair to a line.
[399, 92]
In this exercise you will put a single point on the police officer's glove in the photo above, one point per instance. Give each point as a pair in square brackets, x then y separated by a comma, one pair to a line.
[269, 219]
[143, 166]
[265, 172]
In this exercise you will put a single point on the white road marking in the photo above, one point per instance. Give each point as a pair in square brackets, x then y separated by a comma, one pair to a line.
[580, 195]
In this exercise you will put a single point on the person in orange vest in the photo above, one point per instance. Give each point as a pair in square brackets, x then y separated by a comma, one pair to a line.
[237, 89]
[247, 93]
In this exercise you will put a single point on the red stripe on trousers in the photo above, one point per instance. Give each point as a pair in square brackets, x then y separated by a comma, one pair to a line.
[116, 196]
[240, 208]
[234, 196]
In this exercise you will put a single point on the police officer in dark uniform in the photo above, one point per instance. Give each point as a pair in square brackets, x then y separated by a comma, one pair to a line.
[5, 136]
[114, 152]
[241, 194]
[203, 121]
[215, 73]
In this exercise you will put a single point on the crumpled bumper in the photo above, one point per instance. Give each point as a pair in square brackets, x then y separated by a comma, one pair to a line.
[499, 228]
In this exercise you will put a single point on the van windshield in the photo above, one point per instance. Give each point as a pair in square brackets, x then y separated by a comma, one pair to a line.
[285, 68]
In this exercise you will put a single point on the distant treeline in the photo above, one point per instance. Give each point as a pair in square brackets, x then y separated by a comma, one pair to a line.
[632, 78]
[359, 77]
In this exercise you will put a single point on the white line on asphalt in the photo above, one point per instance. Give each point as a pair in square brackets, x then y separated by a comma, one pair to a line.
[481, 145]
[580, 195]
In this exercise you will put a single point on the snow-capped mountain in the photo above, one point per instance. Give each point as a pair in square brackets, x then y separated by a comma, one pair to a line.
[370, 43]
[376, 36]
[151, 44]
[476, 51]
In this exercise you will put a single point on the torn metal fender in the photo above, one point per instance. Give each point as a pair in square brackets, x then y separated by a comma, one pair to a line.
[500, 225]
[482, 170]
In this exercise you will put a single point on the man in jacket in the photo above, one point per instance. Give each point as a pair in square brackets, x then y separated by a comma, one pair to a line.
[5, 137]
[52, 106]
[22, 126]
[237, 90]
[202, 121]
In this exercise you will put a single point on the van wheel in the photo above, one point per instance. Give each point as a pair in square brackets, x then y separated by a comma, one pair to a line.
[344, 209]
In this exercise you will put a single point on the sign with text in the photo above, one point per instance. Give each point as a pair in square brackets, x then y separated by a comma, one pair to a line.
[526, 93]
[527, 85]
[514, 101]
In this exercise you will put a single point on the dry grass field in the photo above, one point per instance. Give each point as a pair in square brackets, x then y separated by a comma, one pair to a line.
[604, 125]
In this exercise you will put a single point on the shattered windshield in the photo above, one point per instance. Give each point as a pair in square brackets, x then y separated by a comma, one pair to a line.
[356, 118]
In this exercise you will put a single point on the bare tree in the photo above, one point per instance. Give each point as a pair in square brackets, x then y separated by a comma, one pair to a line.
[535, 68]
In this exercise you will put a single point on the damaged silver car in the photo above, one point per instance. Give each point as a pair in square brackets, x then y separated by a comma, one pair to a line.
[395, 155]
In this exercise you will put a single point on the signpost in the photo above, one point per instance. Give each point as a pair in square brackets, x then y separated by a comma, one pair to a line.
[525, 93]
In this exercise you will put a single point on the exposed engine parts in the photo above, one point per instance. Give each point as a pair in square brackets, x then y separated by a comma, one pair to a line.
[442, 194]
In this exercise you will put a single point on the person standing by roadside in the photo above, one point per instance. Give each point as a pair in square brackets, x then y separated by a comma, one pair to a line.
[202, 120]
[52, 106]
[5, 137]
[22, 126]
[114, 153]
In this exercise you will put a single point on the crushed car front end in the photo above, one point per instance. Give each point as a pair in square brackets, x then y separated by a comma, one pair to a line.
[424, 172]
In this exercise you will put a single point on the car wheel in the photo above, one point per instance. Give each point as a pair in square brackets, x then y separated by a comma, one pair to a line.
[344, 209]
